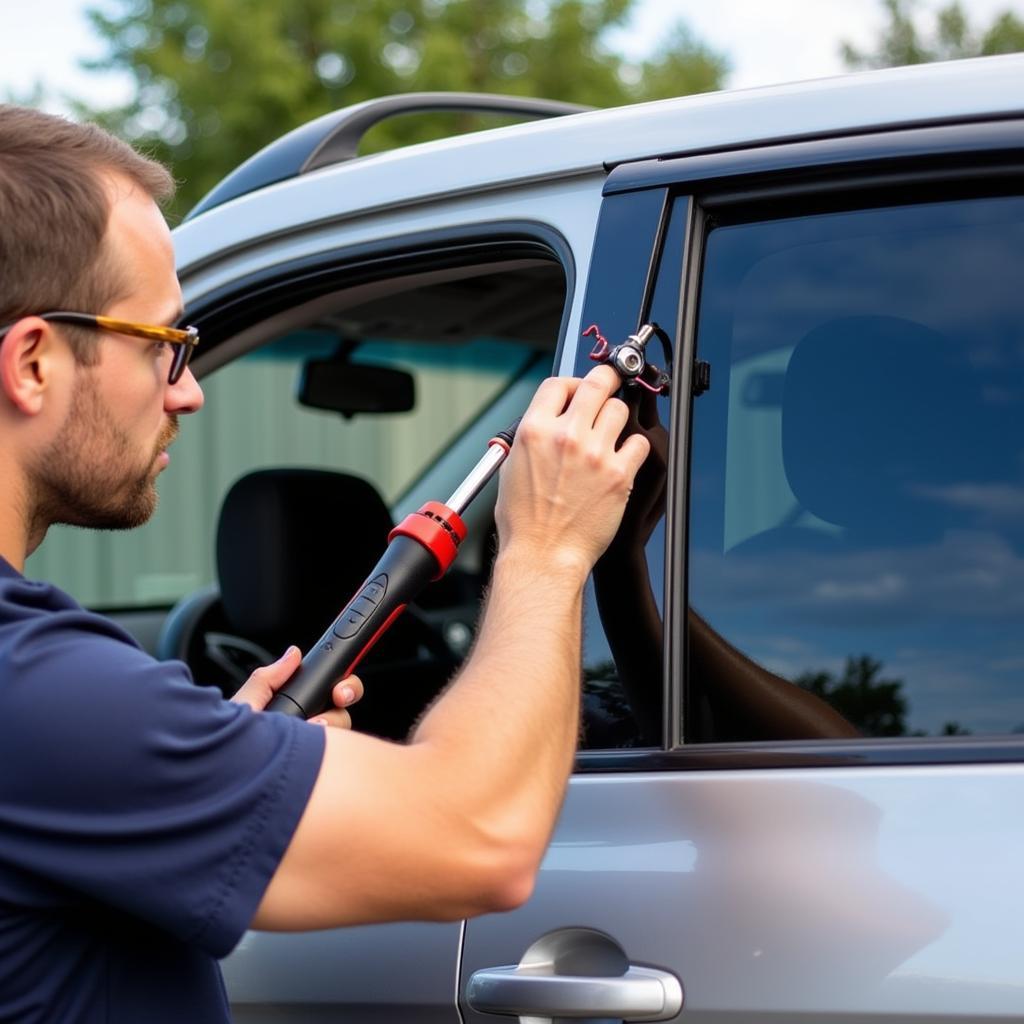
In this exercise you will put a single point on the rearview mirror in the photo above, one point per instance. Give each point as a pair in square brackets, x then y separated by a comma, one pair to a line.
[350, 388]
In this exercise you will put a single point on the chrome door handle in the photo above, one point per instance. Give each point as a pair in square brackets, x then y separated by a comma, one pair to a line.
[641, 994]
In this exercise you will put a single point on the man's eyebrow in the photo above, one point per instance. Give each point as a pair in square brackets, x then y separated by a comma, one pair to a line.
[174, 320]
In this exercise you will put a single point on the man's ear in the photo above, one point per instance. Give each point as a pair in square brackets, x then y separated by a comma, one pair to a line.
[28, 359]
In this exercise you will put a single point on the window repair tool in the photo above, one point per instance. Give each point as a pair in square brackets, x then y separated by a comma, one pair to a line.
[629, 359]
[423, 546]
[420, 549]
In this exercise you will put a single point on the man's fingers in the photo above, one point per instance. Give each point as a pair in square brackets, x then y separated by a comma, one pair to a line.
[551, 397]
[564, 488]
[344, 694]
[560, 395]
[257, 690]
[612, 418]
[334, 719]
[277, 673]
[634, 452]
[347, 692]
[574, 402]
[593, 392]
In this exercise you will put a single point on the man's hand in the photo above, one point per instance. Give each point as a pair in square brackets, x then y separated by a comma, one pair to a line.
[257, 690]
[564, 487]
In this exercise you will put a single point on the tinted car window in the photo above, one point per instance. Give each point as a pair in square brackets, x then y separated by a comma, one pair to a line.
[857, 501]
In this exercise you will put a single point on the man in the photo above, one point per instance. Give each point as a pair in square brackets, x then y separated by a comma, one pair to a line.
[145, 823]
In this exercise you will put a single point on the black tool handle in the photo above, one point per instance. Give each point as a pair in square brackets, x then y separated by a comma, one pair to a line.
[403, 571]
[509, 433]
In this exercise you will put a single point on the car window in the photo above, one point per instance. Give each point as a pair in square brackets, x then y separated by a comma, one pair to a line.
[856, 552]
[476, 351]
[252, 419]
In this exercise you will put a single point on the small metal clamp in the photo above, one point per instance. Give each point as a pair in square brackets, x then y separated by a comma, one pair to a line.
[630, 359]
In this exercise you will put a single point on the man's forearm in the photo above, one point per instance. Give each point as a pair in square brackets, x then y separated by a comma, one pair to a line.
[507, 726]
[456, 821]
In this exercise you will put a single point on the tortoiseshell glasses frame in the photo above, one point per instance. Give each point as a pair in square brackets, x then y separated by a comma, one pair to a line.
[184, 339]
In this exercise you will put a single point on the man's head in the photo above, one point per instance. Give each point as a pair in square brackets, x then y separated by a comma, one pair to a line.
[86, 414]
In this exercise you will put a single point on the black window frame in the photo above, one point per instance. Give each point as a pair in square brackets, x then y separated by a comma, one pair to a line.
[258, 294]
[857, 170]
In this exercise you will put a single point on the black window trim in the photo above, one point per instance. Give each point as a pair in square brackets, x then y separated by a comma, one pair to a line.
[628, 241]
[866, 753]
[728, 176]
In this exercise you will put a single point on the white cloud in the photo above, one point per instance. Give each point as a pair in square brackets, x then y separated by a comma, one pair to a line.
[969, 575]
[999, 501]
[881, 588]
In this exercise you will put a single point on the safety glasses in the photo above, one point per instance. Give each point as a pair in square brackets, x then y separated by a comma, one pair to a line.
[182, 339]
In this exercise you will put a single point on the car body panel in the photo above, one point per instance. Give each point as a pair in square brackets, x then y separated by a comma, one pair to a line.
[853, 895]
[321, 976]
[880, 891]
[400, 180]
[318, 976]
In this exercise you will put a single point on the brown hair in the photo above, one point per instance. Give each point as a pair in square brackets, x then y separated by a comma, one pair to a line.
[53, 216]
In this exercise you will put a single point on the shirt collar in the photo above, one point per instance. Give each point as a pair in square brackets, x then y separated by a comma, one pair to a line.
[6, 569]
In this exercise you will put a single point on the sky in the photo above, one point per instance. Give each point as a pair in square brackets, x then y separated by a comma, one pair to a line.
[767, 41]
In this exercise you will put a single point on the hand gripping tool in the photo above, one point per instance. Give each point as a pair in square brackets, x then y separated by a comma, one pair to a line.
[423, 546]
[420, 549]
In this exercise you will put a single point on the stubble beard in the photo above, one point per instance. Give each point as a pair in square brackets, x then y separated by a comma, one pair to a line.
[91, 476]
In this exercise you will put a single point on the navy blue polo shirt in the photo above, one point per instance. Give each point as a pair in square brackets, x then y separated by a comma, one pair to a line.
[141, 819]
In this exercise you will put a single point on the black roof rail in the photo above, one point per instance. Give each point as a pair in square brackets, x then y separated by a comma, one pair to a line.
[335, 137]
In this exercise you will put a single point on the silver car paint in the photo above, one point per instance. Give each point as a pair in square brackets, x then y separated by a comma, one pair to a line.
[479, 163]
[855, 895]
[320, 976]
[396, 973]
[569, 207]
[890, 895]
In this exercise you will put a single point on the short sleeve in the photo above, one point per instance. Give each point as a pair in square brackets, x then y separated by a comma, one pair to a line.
[133, 786]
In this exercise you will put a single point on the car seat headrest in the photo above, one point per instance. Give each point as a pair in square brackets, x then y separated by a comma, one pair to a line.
[292, 546]
[879, 416]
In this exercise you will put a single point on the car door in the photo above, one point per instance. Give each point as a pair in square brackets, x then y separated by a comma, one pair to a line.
[442, 282]
[828, 827]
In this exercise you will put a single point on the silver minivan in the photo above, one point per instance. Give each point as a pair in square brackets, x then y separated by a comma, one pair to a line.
[799, 796]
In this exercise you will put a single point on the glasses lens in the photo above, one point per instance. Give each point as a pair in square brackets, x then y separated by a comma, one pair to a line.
[178, 362]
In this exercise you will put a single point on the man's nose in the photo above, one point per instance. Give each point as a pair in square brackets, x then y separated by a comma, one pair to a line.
[185, 396]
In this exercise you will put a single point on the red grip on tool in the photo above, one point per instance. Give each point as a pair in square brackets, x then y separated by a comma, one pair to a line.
[438, 529]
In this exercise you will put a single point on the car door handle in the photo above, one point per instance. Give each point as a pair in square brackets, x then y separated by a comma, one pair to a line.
[642, 993]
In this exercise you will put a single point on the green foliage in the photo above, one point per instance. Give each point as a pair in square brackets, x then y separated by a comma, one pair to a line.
[954, 729]
[218, 79]
[873, 705]
[1006, 35]
[953, 38]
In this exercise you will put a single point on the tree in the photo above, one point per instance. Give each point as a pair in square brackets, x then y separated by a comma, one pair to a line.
[218, 79]
[873, 705]
[954, 729]
[953, 38]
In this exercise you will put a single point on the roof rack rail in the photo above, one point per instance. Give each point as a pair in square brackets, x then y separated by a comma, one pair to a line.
[335, 137]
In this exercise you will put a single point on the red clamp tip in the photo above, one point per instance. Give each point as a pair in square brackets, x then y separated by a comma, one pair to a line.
[600, 350]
